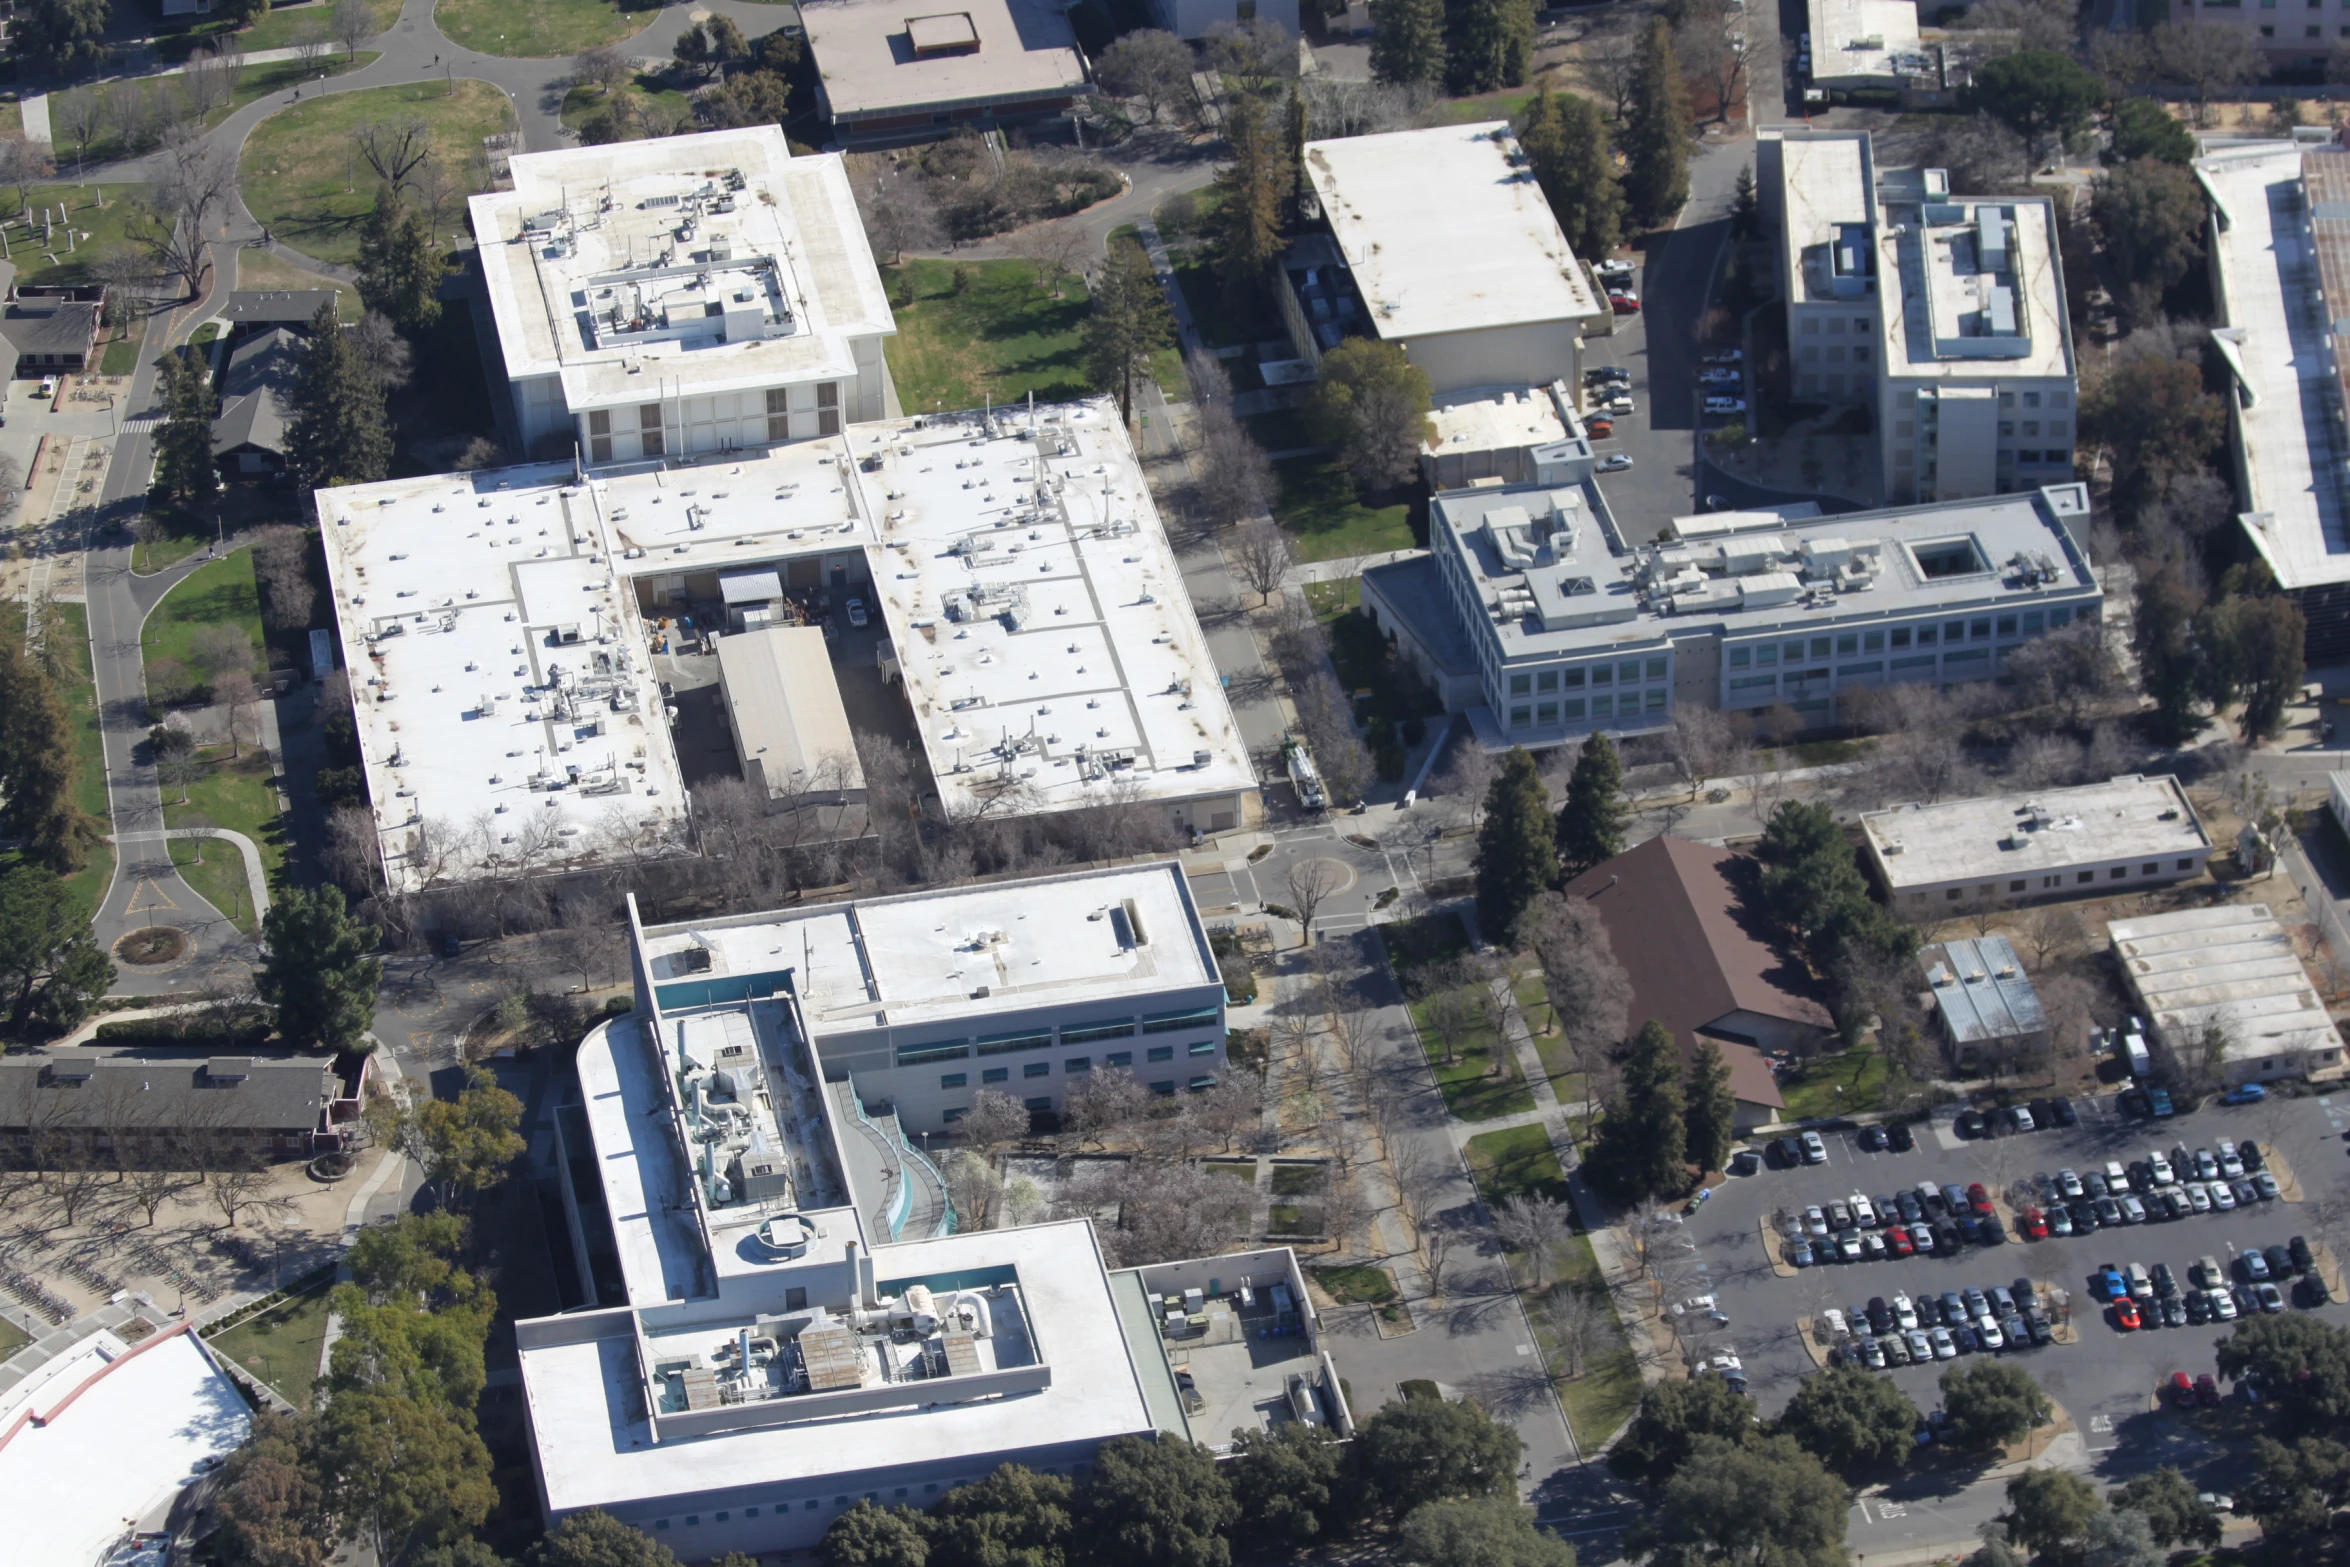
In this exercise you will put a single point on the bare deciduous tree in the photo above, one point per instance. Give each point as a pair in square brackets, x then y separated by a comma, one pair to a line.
[236, 694]
[174, 217]
[1231, 474]
[1537, 1226]
[2051, 929]
[602, 67]
[900, 214]
[1054, 249]
[1700, 740]
[354, 23]
[996, 1119]
[310, 43]
[1311, 883]
[1589, 993]
[394, 148]
[78, 113]
[1101, 1103]
[1580, 1323]
[1258, 553]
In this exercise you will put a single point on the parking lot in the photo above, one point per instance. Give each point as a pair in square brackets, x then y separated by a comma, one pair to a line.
[2107, 1381]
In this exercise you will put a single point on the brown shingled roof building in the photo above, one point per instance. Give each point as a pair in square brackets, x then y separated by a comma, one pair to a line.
[1686, 922]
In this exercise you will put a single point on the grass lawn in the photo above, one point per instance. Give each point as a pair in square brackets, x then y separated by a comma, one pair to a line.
[258, 268]
[1326, 520]
[70, 639]
[1859, 1073]
[1297, 1180]
[220, 592]
[1608, 1391]
[1002, 338]
[277, 30]
[234, 794]
[97, 230]
[1512, 1163]
[121, 357]
[583, 101]
[1246, 1174]
[12, 1337]
[1333, 599]
[255, 82]
[281, 1346]
[1358, 1285]
[1482, 1081]
[297, 162]
[11, 117]
[537, 29]
[1485, 106]
[182, 534]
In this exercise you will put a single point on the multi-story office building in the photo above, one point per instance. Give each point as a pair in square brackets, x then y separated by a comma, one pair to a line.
[2287, 34]
[685, 294]
[1567, 628]
[1941, 314]
[785, 1316]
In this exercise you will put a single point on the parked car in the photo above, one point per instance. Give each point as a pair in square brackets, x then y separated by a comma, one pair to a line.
[1899, 1138]
[2244, 1094]
[856, 609]
[2035, 1222]
[1725, 405]
[2279, 1260]
[2254, 1159]
[1599, 429]
[1625, 304]
[2265, 1184]
[1979, 1198]
[2068, 1182]
[2126, 1316]
[2270, 1297]
[2158, 1102]
[2062, 1109]
[1615, 462]
[1815, 1151]
[2298, 1250]
[1724, 356]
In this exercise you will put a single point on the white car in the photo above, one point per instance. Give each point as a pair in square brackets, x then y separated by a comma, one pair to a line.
[1945, 1348]
[1725, 405]
[1864, 1212]
[1815, 1221]
[2160, 1166]
[2198, 1196]
[2023, 1119]
[48, 386]
[1987, 1329]
[1615, 462]
[856, 612]
[2068, 1181]
[1815, 1151]
[1619, 407]
[1832, 1324]
[2117, 1179]
[1725, 356]
[1905, 1312]
[2231, 1163]
[2223, 1196]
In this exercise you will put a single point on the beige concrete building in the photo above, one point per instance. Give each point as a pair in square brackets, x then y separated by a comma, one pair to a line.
[2123, 835]
[1941, 314]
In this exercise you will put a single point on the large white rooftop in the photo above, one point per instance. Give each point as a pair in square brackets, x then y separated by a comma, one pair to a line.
[647, 270]
[507, 711]
[2012, 835]
[963, 952]
[2233, 967]
[102, 1439]
[1972, 286]
[876, 59]
[1826, 223]
[1864, 43]
[1077, 649]
[2280, 264]
[595, 1441]
[1446, 230]
[1040, 621]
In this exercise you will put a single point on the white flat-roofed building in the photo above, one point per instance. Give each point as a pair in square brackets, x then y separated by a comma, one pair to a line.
[2234, 968]
[1449, 250]
[501, 659]
[795, 1321]
[1944, 313]
[1865, 43]
[2279, 240]
[684, 294]
[1572, 629]
[2123, 835]
[1041, 623]
[899, 73]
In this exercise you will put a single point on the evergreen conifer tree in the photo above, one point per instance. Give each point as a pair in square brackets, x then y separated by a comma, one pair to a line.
[1407, 41]
[400, 267]
[1254, 183]
[1656, 144]
[1712, 1109]
[338, 433]
[1488, 44]
[1130, 322]
[184, 471]
[1591, 823]
[1515, 859]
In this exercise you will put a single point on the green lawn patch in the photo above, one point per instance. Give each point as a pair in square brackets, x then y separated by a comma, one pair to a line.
[222, 592]
[236, 793]
[69, 641]
[1333, 599]
[1246, 1174]
[277, 30]
[1511, 1163]
[11, 117]
[1415, 946]
[258, 268]
[1327, 520]
[1829, 753]
[1604, 1396]
[121, 357]
[255, 82]
[584, 102]
[1001, 338]
[12, 1337]
[1481, 1081]
[537, 29]
[1297, 1180]
[1357, 1285]
[1288, 1218]
[1484, 106]
[44, 259]
[281, 1346]
[299, 174]
[178, 535]
[1860, 1074]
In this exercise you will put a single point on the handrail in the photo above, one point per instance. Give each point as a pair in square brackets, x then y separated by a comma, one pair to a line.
[896, 1213]
[946, 1200]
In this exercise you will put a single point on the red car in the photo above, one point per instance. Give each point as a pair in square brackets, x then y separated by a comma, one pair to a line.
[1897, 1241]
[1600, 429]
[1979, 1199]
[1624, 304]
[2125, 1314]
[2206, 1389]
[2035, 1224]
[2182, 1389]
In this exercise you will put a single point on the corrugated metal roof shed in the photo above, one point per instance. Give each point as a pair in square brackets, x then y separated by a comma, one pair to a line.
[1982, 992]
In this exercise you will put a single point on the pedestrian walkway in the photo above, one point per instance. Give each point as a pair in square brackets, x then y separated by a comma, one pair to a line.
[36, 107]
[1344, 567]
